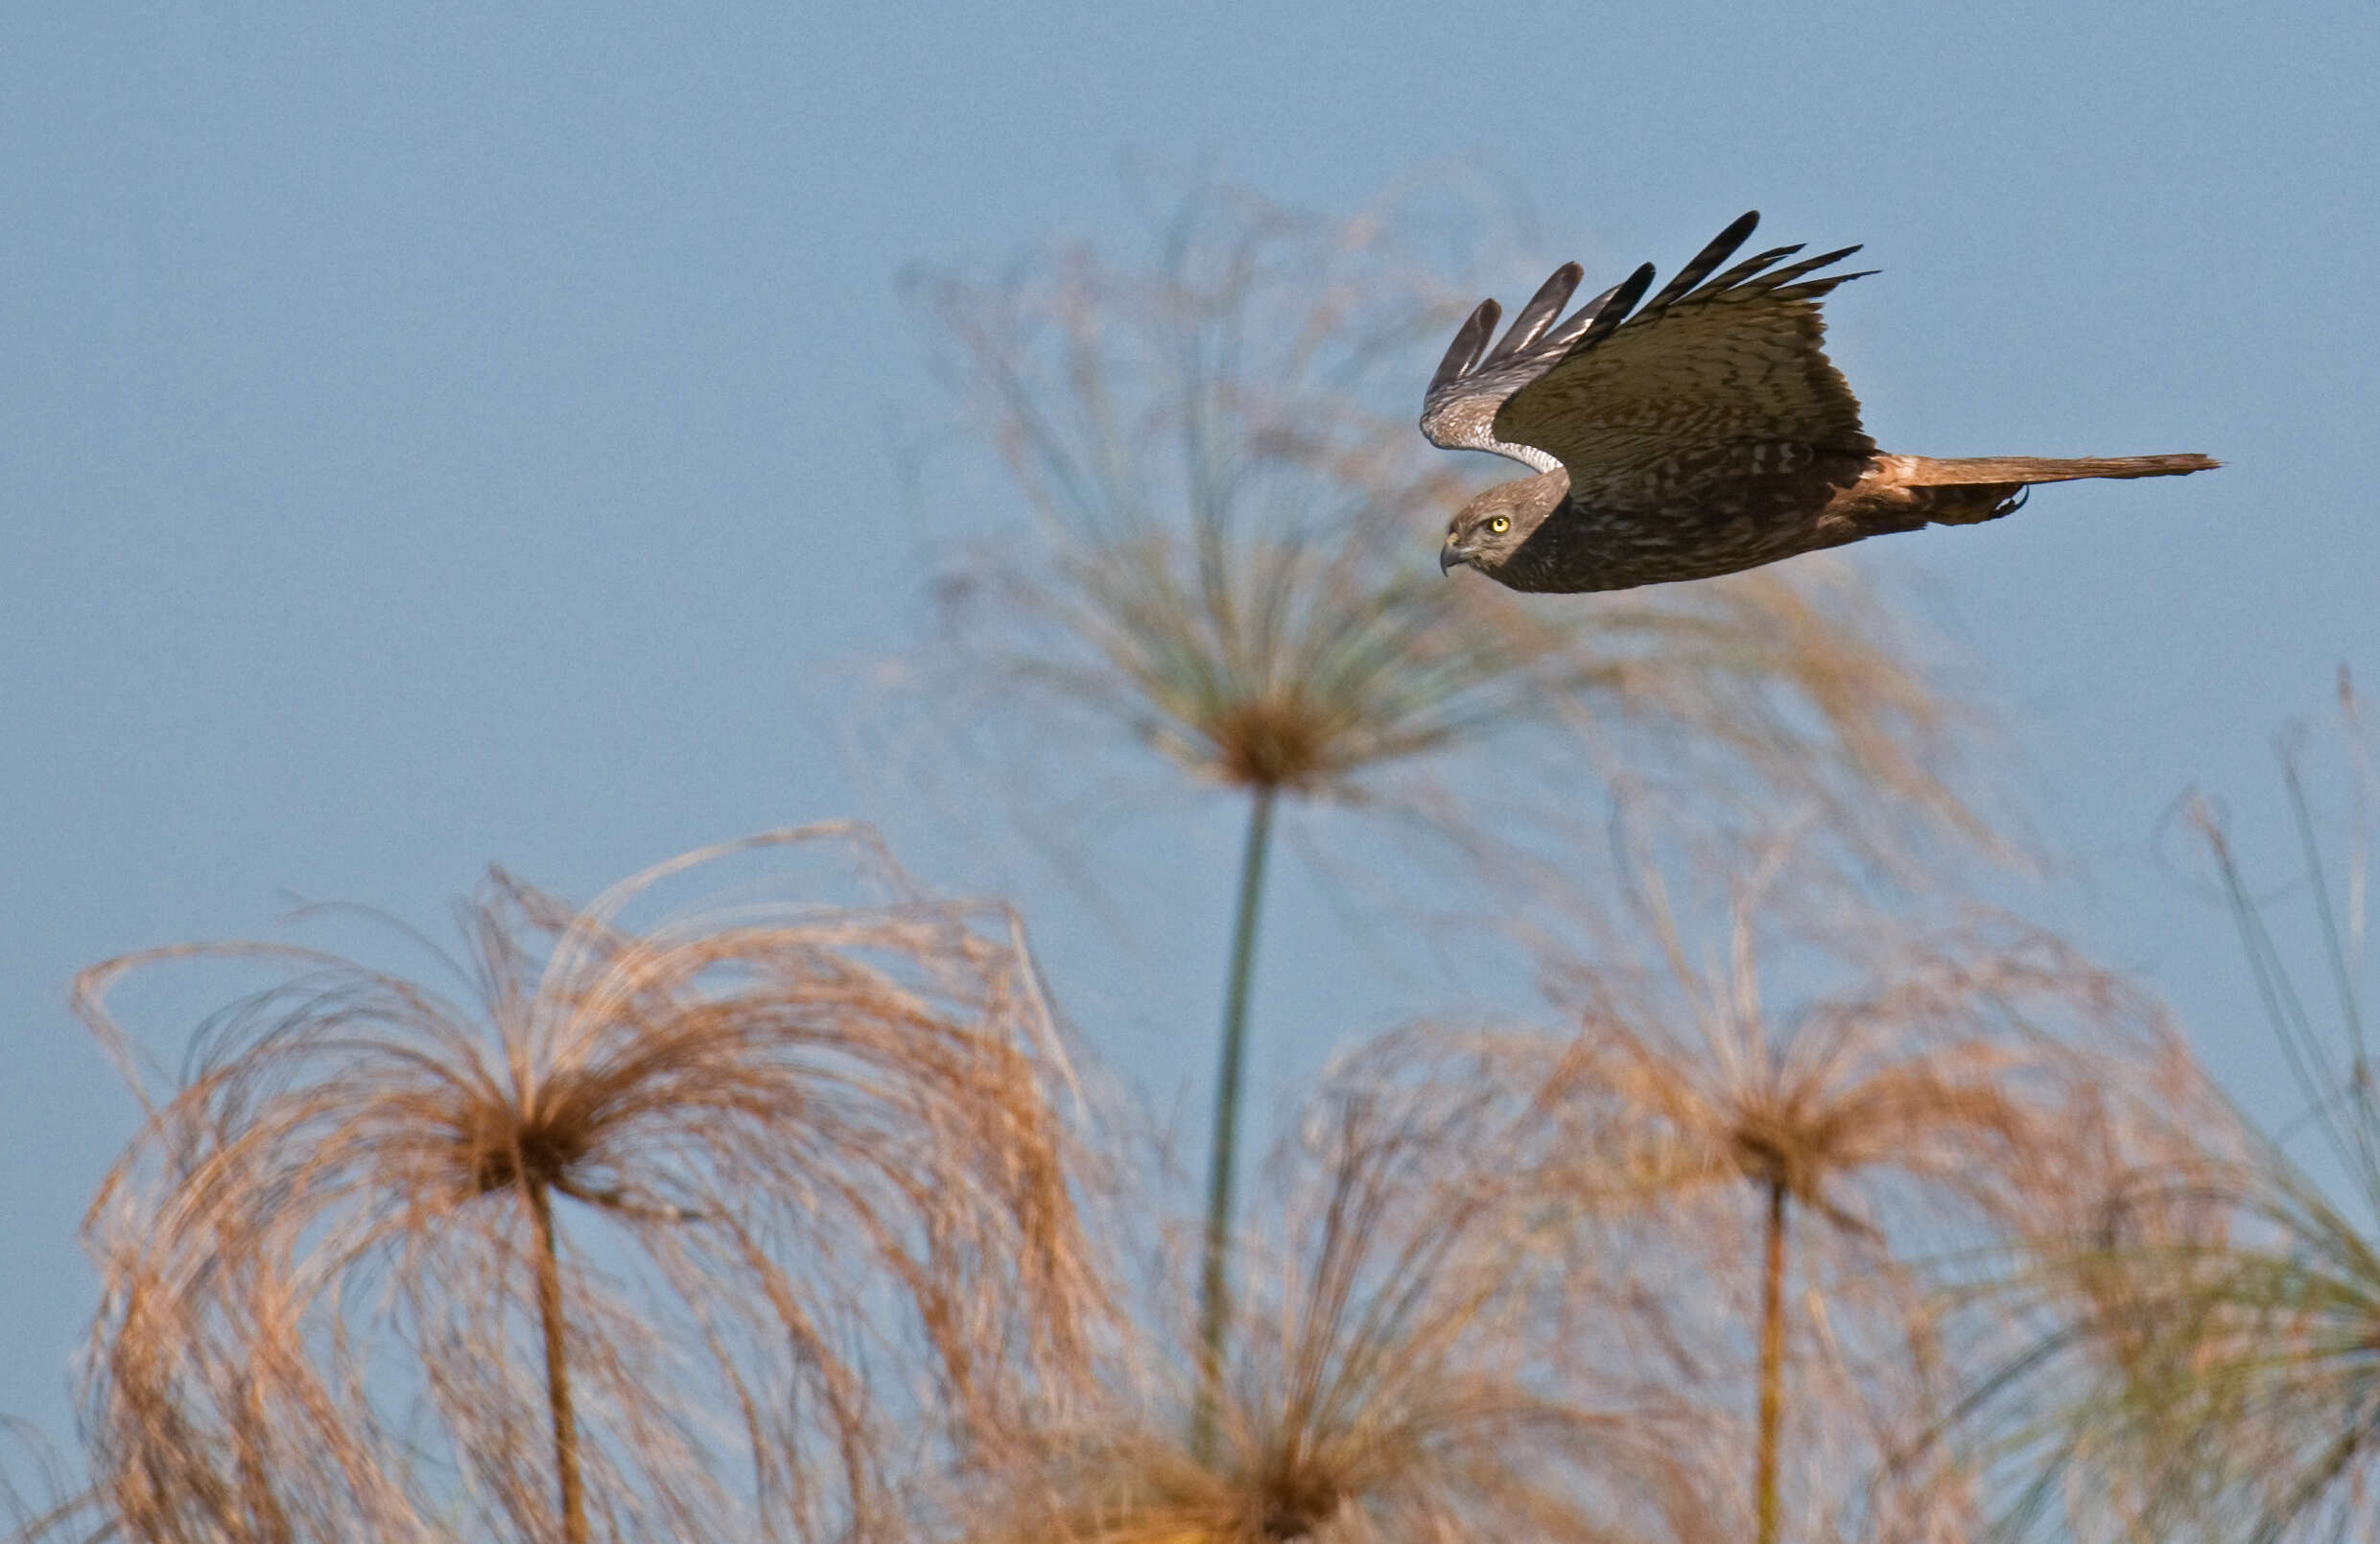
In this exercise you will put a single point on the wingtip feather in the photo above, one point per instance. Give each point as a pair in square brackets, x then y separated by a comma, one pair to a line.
[1717, 251]
[1471, 341]
[1532, 318]
[1614, 311]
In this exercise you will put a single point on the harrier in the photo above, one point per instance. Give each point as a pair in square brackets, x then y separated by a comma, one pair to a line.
[1705, 433]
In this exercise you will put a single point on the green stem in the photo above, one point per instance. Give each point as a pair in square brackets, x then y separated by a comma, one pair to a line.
[558, 1370]
[1772, 1367]
[1213, 1297]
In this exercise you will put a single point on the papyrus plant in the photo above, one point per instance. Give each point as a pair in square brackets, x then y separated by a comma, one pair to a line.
[2209, 1367]
[1391, 1379]
[1228, 561]
[1787, 1124]
[685, 1230]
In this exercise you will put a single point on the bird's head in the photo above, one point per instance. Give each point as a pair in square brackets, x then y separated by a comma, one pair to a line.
[1487, 531]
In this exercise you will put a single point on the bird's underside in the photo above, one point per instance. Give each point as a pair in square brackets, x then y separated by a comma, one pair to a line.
[1747, 505]
[1704, 435]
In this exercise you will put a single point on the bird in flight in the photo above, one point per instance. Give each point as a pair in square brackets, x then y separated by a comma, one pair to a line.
[1705, 433]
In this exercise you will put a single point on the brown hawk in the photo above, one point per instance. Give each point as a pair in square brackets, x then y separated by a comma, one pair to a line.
[1705, 433]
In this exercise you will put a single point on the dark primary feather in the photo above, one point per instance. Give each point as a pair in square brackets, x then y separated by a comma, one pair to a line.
[1539, 314]
[1464, 352]
[1574, 328]
[1707, 262]
[1624, 295]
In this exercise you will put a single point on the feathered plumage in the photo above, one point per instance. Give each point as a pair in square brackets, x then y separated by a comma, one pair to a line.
[1706, 432]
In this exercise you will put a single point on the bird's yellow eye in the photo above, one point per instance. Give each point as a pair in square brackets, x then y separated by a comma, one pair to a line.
[1500, 524]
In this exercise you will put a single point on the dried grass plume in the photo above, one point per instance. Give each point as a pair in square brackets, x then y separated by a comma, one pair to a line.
[687, 1232]
[1781, 1123]
[1391, 1380]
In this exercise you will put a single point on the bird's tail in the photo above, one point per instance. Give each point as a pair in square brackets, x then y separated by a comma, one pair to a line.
[1927, 470]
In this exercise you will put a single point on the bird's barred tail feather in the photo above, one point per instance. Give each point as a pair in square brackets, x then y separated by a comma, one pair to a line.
[1927, 470]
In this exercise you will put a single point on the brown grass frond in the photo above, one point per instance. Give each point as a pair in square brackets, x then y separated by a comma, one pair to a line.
[42, 1501]
[808, 1186]
[1387, 1381]
[2208, 1381]
[1932, 1061]
[2207, 1365]
[1791, 1134]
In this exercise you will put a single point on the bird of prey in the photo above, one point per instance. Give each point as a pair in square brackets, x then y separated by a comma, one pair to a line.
[1705, 433]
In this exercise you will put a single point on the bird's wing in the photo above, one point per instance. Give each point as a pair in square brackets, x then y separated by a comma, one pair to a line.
[1458, 411]
[1714, 357]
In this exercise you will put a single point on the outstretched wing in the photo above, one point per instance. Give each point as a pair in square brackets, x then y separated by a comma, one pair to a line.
[1715, 359]
[1459, 410]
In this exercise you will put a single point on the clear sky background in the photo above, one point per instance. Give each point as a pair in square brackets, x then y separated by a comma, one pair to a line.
[453, 433]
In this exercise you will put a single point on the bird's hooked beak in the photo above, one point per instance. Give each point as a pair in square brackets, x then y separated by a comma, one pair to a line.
[1449, 559]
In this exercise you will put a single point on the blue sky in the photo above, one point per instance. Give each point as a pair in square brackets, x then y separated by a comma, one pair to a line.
[460, 434]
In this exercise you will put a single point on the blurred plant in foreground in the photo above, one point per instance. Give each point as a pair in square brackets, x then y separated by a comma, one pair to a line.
[656, 1234]
[1389, 1382]
[2213, 1372]
[1849, 1100]
[1232, 564]
[39, 1502]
